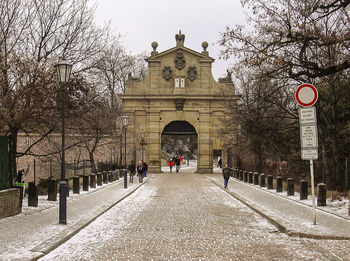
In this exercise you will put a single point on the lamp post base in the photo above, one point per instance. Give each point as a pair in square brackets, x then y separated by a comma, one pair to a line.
[63, 202]
[125, 179]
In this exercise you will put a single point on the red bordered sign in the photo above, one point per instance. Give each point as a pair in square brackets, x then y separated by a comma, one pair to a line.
[306, 95]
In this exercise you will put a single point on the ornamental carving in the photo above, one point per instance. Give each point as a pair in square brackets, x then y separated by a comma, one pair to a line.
[179, 104]
[180, 60]
[192, 73]
[167, 73]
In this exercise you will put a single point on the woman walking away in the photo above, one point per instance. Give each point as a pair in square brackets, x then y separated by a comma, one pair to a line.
[226, 175]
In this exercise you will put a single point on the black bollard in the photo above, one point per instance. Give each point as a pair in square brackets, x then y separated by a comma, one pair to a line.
[92, 181]
[279, 184]
[262, 180]
[110, 177]
[303, 189]
[290, 187]
[52, 190]
[321, 194]
[256, 178]
[241, 175]
[86, 183]
[245, 176]
[32, 195]
[99, 179]
[269, 182]
[104, 177]
[250, 177]
[76, 185]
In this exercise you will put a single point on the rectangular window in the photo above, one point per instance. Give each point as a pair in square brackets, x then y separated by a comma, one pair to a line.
[183, 82]
[177, 82]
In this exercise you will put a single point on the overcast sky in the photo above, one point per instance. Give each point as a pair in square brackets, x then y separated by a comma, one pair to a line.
[145, 21]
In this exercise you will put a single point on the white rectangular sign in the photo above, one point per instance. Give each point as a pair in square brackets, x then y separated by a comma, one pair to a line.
[309, 154]
[308, 136]
[307, 115]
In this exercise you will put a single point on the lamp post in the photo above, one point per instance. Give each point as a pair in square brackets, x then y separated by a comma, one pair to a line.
[63, 70]
[142, 143]
[125, 121]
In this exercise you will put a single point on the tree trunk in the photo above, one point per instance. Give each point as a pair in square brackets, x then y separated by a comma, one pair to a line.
[92, 162]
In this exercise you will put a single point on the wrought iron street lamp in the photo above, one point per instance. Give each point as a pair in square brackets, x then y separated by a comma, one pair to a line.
[125, 122]
[63, 69]
[142, 143]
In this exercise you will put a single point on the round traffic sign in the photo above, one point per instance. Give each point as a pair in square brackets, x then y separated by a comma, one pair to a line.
[306, 95]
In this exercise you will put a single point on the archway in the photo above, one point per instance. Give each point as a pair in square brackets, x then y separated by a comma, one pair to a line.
[179, 138]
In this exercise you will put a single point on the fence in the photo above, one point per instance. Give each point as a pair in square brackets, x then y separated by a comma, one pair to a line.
[37, 170]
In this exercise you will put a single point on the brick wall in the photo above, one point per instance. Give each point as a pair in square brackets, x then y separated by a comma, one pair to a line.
[9, 202]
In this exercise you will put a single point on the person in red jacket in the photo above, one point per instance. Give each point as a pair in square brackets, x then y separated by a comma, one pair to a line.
[171, 164]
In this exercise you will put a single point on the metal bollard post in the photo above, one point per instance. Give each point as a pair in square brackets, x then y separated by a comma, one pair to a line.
[321, 194]
[290, 187]
[269, 182]
[303, 189]
[279, 184]
[262, 180]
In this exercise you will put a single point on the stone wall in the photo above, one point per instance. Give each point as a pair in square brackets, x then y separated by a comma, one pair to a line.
[9, 202]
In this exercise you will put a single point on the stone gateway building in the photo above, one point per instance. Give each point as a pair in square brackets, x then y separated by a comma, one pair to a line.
[178, 96]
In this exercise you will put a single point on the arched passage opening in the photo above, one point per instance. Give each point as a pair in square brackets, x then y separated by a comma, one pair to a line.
[179, 138]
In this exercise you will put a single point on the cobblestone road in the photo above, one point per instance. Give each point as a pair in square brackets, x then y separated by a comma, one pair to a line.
[186, 217]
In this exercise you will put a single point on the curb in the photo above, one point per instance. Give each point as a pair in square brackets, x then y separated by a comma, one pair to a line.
[276, 223]
[63, 237]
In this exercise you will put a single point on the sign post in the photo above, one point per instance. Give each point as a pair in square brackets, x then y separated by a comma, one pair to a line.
[306, 96]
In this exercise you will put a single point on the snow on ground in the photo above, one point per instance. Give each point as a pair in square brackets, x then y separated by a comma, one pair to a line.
[18, 250]
[337, 207]
[44, 204]
[103, 228]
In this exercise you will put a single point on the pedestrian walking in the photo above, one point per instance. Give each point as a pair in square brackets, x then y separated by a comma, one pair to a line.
[220, 163]
[226, 175]
[145, 169]
[140, 171]
[177, 164]
[171, 163]
[132, 170]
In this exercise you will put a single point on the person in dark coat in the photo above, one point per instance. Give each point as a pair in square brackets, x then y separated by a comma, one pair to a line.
[132, 170]
[140, 171]
[145, 169]
[177, 164]
[226, 175]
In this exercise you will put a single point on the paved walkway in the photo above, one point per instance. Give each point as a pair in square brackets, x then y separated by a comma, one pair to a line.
[184, 216]
[291, 217]
[181, 216]
[27, 236]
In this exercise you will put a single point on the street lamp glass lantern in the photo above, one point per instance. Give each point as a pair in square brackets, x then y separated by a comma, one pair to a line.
[63, 70]
[125, 121]
[142, 134]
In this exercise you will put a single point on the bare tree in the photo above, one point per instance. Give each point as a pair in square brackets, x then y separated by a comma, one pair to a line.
[33, 35]
[298, 41]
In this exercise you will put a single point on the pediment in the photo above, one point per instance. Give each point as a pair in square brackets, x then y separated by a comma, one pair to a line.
[174, 51]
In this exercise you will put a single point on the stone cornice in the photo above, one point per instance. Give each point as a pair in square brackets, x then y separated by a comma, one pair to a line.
[172, 97]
